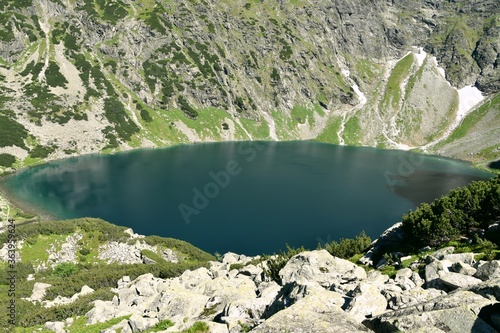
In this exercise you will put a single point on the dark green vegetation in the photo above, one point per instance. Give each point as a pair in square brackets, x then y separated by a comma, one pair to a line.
[42, 151]
[7, 160]
[12, 133]
[460, 213]
[67, 278]
[116, 114]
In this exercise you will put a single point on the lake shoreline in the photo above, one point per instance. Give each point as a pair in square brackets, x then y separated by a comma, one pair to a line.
[483, 166]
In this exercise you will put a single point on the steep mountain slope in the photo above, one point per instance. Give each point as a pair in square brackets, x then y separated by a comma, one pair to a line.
[82, 76]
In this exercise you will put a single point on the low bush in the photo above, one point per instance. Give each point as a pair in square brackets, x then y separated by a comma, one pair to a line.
[348, 247]
[7, 160]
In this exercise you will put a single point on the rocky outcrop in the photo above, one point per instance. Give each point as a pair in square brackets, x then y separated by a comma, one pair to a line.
[317, 312]
[245, 59]
[318, 293]
[124, 253]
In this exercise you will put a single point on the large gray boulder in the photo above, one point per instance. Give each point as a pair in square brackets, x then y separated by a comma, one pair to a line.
[467, 258]
[39, 290]
[391, 237]
[104, 311]
[177, 304]
[441, 253]
[57, 326]
[488, 289]
[253, 308]
[463, 268]
[139, 323]
[455, 280]
[366, 301]
[397, 300]
[290, 294]
[432, 279]
[488, 270]
[315, 313]
[456, 312]
[320, 268]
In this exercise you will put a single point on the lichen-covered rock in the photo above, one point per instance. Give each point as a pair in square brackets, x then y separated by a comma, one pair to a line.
[316, 313]
[457, 280]
[456, 312]
[320, 268]
[366, 301]
[488, 270]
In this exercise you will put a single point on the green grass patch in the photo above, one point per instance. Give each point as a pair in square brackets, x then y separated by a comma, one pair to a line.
[302, 115]
[258, 129]
[393, 93]
[352, 131]
[492, 105]
[330, 132]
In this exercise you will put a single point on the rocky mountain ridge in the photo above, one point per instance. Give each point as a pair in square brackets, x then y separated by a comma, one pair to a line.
[99, 76]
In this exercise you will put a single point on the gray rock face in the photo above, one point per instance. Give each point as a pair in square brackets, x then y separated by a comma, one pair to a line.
[441, 253]
[321, 293]
[320, 268]
[366, 301]
[488, 270]
[57, 326]
[139, 323]
[403, 299]
[462, 268]
[456, 280]
[389, 237]
[316, 313]
[456, 312]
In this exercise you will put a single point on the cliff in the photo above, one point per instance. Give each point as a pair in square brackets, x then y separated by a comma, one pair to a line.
[99, 76]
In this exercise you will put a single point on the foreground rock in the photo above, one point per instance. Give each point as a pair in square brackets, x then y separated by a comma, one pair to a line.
[457, 312]
[317, 293]
[314, 313]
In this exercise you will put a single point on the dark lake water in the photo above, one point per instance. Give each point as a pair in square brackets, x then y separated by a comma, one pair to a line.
[245, 197]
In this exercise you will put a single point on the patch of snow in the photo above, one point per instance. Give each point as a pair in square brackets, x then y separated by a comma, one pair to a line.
[346, 72]
[468, 98]
[420, 56]
[361, 96]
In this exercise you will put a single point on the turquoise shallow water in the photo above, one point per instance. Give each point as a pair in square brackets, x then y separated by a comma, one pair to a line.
[245, 197]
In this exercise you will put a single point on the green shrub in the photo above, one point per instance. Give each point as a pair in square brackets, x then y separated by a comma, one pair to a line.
[146, 116]
[53, 76]
[41, 151]
[84, 251]
[153, 256]
[116, 114]
[65, 269]
[12, 133]
[7, 160]
[161, 326]
[454, 215]
[198, 327]
[186, 108]
[30, 314]
[348, 247]
[236, 266]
